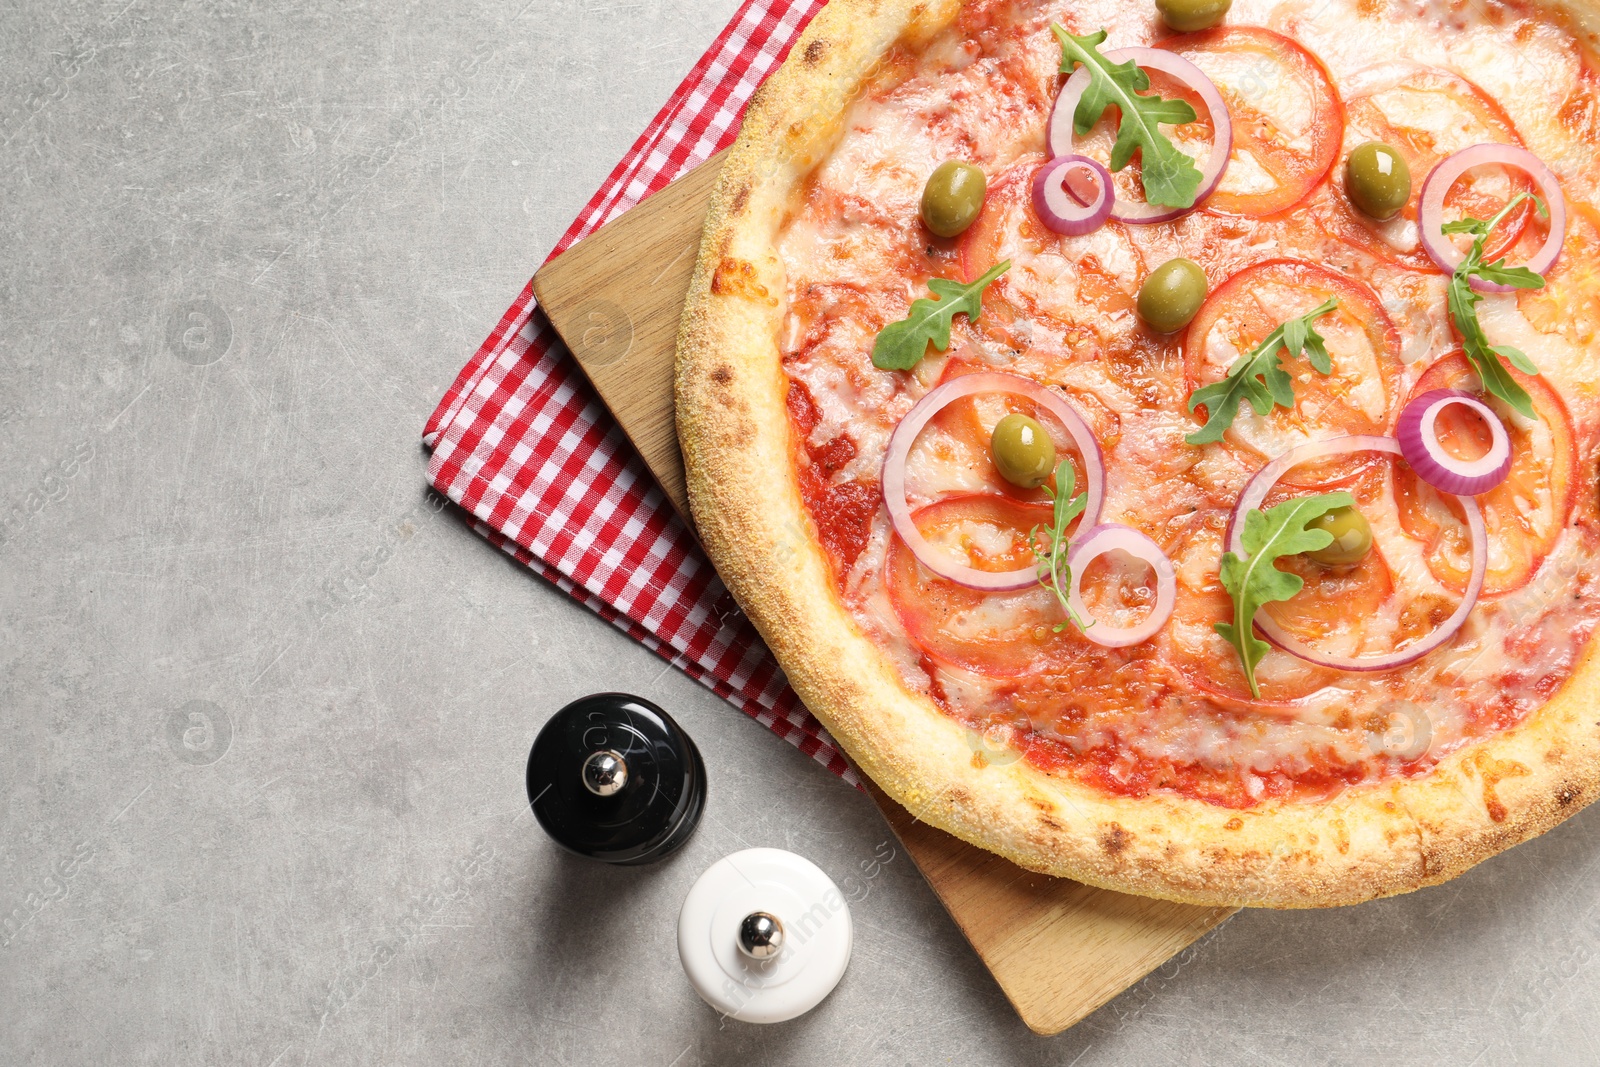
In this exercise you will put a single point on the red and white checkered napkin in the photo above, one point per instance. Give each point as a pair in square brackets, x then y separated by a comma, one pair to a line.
[523, 444]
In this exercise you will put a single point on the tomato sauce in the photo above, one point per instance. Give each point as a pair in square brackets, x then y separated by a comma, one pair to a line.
[1305, 82]
[841, 511]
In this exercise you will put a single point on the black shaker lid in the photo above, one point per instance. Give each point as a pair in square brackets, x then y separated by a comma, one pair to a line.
[636, 813]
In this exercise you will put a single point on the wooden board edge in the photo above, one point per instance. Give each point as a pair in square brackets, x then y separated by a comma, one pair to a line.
[1041, 1014]
[1042, 1020]
[607, 338]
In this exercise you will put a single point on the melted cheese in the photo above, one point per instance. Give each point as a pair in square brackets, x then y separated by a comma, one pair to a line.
[1063, 315]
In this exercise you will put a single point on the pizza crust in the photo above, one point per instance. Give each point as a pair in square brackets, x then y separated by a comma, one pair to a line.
[1371, 841]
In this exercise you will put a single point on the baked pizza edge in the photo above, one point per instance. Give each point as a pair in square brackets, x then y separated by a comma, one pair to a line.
[1371, 841]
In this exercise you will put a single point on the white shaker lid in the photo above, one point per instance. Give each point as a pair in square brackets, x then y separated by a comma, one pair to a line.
[797, 919]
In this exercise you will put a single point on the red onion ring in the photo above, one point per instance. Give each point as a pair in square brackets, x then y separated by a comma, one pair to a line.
[1170, 63]
[1060, 208]
[905, 435]
[1114, 537]
[1430, 210]
[1419, 443]
[1256, 490]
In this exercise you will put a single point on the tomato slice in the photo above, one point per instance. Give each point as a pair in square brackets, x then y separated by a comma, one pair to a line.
[1288, 123]
[1007, 228]
[1524, 514]
[1426, 115]
[1057, 287]
[1208, 664]
[1194, 139]
[1006, 224]
[1363, 345]
[998, 634]
[1353, 610]
[1332, 598]
[952, 454]
[1569, 303]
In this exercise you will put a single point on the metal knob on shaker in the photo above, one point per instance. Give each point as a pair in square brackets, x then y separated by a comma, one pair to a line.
[614, 778]
[761, 935]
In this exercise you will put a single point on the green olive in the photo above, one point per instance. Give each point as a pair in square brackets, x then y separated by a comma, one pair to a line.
[953, 197]
[1186, 16]
[1172, 294]
[1023, 453]
[1352, 537]
[1377, 180]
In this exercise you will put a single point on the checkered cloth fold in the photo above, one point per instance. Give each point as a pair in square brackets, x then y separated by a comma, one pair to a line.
[522, 443]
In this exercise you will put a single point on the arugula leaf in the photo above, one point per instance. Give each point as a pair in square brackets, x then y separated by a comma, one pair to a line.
[1254, 581]
[901, 345]
[1520, 277]
[1050, 546]
[1258, 377]
[1519, 359]
[1463, 300]
[1170, 177]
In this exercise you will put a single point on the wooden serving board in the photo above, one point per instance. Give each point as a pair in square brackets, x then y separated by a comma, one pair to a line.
[1058, 949]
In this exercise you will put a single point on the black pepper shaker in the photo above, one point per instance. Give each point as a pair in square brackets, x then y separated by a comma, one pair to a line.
[614, 778]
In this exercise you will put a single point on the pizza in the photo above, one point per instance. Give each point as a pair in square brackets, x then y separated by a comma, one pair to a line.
[1158, 439]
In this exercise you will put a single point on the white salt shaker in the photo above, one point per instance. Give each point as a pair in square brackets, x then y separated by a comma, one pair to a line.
[764, 935]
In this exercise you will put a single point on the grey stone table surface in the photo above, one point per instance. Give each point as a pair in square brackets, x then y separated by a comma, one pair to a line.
[246, 247]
